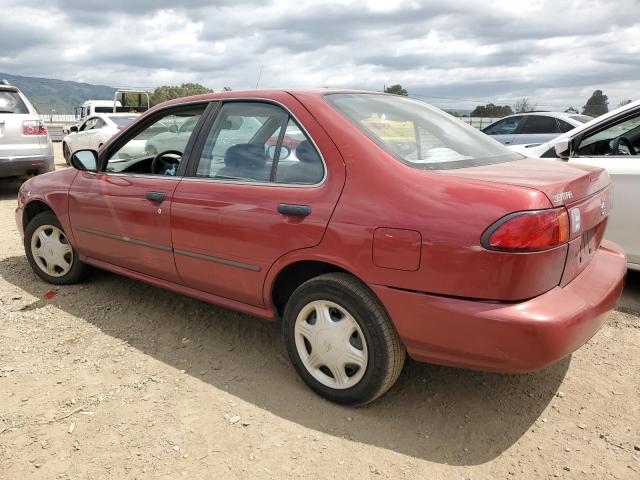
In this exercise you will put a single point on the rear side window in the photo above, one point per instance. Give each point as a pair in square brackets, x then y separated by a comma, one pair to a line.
[540, 124]
[259, 142]
[10, 102]
[565, 126]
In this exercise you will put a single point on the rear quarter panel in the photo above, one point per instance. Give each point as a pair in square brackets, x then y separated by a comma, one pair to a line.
[449, 213]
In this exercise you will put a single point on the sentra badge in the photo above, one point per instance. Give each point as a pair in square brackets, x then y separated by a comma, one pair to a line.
[562, 196]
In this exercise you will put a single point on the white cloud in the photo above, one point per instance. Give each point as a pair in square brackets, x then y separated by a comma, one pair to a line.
[457, 54]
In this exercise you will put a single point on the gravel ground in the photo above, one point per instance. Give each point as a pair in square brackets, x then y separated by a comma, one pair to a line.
[117, 379]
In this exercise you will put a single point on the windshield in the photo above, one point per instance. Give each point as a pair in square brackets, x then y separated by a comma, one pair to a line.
[418, 134]
[10, 102]
[122, 121]
[582, 118]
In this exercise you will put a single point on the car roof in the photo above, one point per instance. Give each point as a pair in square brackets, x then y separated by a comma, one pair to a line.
[544, 113]
[107, 115]
[270, 93]
[8, 88]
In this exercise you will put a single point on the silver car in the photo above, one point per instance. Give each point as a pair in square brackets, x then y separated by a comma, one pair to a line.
[25, 146]
[533, 127]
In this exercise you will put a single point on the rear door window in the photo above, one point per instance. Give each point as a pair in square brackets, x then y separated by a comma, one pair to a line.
[540, 124]
[259, 142]
[507, 126]
[10, 102]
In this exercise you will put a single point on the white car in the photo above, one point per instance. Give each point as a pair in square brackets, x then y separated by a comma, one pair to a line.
[611, 141]
[532, 127]
[93, 132]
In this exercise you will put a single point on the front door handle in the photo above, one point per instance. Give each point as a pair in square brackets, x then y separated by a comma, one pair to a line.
[155, 196]
[295, 210]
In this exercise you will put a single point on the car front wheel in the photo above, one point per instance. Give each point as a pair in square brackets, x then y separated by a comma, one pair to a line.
[341, 340]
[49, 252]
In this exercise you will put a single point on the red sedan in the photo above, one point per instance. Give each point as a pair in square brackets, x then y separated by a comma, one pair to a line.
[391, 227]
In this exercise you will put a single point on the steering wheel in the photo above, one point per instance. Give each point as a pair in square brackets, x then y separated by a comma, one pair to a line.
[161, 165]
[615, 147]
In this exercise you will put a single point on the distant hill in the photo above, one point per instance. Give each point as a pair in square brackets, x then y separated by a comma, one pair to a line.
[46, 94]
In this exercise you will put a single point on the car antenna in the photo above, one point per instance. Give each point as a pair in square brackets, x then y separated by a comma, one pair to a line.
[259, 75]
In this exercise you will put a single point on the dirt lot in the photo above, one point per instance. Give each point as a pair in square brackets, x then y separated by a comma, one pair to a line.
[117, 379]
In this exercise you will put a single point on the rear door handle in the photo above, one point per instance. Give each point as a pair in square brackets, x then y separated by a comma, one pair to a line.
[296, 210]
[155, 196]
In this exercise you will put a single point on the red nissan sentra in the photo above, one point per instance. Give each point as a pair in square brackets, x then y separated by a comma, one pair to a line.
[382, 225]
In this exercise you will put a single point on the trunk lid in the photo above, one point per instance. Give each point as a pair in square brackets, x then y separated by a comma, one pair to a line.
[561, 182]
[584, 191]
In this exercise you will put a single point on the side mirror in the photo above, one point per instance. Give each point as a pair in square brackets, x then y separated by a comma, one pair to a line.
[563, 148]
[73, 129]
[284, 152]
[85, 160]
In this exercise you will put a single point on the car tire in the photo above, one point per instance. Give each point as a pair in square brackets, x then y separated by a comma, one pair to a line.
[66, 153]
[340, 339]
[49, 253]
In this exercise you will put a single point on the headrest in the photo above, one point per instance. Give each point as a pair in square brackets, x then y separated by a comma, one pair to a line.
[245, 155]
[307, 153]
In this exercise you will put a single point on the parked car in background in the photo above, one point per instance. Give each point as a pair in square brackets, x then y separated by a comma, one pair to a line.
[456, 250]
[612, 142]
[94, 132]
[172, 136]
[25, 146]
[533, 127]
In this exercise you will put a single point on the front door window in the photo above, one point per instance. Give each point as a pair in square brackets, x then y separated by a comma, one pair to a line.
[158, 148]
[623, 138]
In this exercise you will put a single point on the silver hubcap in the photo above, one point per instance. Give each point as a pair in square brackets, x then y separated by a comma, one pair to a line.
[330, 344]
[51, 250]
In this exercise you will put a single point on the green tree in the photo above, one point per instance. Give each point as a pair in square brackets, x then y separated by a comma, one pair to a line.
[396, 90]
[491, 110]
[597, 104]
[624, 102]
[451, 112]
[169, 92]
[571, 110]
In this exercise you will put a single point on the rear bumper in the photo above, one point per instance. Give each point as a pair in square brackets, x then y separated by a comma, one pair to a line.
[15, 166]
[509, 337]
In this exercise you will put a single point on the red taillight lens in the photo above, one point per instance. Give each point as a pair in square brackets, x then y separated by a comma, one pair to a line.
[528, 231]
[33, 127]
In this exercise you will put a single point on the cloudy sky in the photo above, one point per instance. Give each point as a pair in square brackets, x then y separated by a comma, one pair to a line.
[454, 53]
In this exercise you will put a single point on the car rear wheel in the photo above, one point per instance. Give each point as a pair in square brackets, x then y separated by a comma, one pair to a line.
[341, 340]
[49, 252]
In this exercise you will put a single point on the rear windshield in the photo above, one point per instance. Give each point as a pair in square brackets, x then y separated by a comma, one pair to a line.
[122, 121]
[10, 102]
[418, 134]
[582, 118]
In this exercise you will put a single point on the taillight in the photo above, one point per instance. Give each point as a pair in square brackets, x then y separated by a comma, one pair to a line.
[528, 231]
[33, 127]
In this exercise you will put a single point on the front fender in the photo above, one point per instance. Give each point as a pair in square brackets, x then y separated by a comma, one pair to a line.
[51, 189]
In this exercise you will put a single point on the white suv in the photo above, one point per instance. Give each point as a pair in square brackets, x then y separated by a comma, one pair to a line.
[25, 146]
